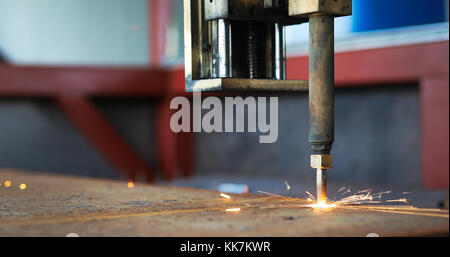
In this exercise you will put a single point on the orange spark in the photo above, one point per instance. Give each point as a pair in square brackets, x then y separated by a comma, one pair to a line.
[310, 195]
[288, 187]
[225, 196]
[130, 184]
[8, 183]
[403, 200]
[267, 193]
[233, 210]
[23, 186]
[363, 196]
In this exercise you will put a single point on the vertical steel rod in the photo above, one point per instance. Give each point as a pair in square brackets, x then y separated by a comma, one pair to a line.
[280, 52]
[223, 50]
[321, 83]
[321, 93]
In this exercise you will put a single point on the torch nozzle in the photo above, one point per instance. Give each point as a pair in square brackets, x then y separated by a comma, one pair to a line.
[321, 162]
[321, 183]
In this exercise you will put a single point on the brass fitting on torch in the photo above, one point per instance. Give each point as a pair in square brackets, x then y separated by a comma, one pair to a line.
[321, 161]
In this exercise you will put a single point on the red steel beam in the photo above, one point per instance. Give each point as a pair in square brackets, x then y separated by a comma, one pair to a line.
[104, 138]
[166, 140]
[174, 151]
[435, 131]
[159, 18]
[29, 81]
[71, 86]
[364, 68]
[186, 149]
[380, 66]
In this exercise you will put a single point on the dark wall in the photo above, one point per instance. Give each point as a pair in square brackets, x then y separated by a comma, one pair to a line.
[377, 140]
[35, 135]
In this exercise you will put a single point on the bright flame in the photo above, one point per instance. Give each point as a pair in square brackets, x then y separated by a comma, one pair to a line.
[225, 196]
[233, 210]
[130, 184]
[8, 183]
[23, 186]
[322, 205]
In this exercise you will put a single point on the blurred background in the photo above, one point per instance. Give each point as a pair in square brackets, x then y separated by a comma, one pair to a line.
[85, 87]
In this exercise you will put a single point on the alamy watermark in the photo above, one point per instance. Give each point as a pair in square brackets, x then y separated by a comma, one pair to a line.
[226, 116]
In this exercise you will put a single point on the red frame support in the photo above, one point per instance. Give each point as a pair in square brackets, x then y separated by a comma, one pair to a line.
[34, 81]
[435, 130]
[171, 159]
[160, 16]
[103, 136]
[166, 140]
[71, 87]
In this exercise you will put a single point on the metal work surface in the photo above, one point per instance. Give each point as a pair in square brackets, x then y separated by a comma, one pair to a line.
[57, 206]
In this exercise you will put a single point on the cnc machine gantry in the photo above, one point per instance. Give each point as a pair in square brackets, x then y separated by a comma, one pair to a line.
[239, 45]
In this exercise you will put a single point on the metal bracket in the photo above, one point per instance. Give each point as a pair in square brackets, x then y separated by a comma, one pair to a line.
[305, 8]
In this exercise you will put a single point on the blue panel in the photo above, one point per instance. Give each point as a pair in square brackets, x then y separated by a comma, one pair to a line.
[380, 14]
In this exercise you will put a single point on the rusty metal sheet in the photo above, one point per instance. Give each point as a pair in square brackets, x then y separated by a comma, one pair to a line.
[58, 205]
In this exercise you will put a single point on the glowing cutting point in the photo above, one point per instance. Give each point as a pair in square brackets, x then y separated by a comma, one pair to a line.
[130, 184]
[322, 205]
[23, 186]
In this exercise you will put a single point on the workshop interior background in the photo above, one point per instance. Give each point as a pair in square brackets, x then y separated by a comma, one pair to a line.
[60, 113]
